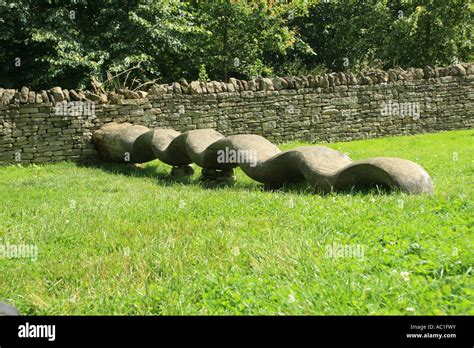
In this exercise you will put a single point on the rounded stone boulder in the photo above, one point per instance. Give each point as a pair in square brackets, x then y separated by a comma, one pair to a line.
[7, 310]
[389, 172]
[124, 142]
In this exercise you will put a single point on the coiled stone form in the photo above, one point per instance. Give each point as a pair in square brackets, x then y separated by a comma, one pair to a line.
[323, 168]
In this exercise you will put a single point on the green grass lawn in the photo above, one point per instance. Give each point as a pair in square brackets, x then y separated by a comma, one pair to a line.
[120, 240]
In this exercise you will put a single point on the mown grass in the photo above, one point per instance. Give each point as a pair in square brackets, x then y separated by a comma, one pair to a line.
[119, 240]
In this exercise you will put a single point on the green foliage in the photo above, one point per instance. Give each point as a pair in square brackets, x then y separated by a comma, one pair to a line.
[203, 74]
[243, 37]
[428, 32]
[100, 37]
[258, 69]
[74, 43]
[114, 239]
[356, 35]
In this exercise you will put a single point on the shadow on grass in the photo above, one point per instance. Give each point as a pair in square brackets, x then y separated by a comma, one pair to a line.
[164, 178]
[125, 169]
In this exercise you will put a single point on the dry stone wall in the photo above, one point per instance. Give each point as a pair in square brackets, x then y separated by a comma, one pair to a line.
[57, 124]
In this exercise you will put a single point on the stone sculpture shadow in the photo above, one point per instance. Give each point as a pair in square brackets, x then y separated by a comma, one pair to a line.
[324, 169]
[166, 179]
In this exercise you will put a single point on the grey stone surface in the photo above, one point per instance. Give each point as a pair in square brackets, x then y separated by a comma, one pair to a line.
[8, 310]
[388, 172]
[124, 143]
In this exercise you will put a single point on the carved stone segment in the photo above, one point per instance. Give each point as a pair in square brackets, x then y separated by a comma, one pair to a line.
[390, 172]
[165, 145]
[246, 143]
[316, 164]
[197, 141]
[124, 142]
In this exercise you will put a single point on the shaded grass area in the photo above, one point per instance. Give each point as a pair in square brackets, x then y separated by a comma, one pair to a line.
[114, 239]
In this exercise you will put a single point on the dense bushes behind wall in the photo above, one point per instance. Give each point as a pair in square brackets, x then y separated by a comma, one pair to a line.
[57, 125]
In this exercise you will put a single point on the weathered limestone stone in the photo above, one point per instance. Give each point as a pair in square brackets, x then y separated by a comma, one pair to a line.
[311, 81]
[332, 78]
[38, 98]
[51, 97]
[184, 86]
[203, 86]
[66, 95]
[103, 98]
[57, 94]
[142, 94]
[252, 84]
[235, 84]
[266, 84]
[469, 68]
[195, 87]
[437, 71]
[419, 74]
[128, 94]
[324, 81]
[389, 172]
[223, 87]
[92, 96]
[299, 82]
[114, 97]
[458, 69]
[366, 80]
[259, 85]
[392, 76]
[353, 79]
[382, 76]
[44, 96]
[342, 78]
[157, 90]
[428, 72]
[407, 75]
[124, 142]
[305, 81]
[24, 94]
[74, 95]
[241, 85]
[8, 95]
[8, 310]
[230, 87]
[177, 88]
[218, 86]
[210, 87]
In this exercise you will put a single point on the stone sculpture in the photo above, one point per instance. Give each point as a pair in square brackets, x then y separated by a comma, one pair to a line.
[323, 168]
[7, 310]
